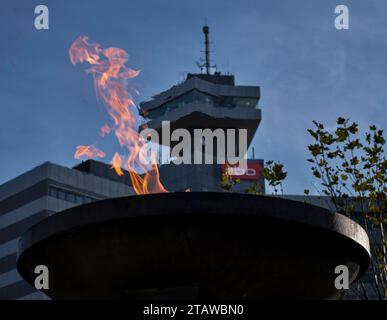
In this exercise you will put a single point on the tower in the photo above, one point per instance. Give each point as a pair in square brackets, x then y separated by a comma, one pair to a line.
[206, 101]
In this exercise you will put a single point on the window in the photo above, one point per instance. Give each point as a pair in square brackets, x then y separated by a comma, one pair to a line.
[88, 200]
[198, 96]
[61, 195]
[69, 196]
[53, 192]
[79, 199]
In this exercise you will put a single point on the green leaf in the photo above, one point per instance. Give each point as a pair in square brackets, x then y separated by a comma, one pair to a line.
[354, 161]
[315, 149]
[313, 134]
[317, 174]
[353, 128]
[340, 120]
[341, 134]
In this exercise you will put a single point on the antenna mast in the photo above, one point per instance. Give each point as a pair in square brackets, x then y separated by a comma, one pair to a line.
[207, 61]
[206, 31]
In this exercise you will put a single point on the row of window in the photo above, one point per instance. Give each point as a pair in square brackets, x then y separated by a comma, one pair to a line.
[70, 196]
[195, 95]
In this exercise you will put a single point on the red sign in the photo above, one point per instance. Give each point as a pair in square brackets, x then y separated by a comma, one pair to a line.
[251, 172]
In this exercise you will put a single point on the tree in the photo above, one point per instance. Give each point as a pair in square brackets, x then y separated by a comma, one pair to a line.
[351, 171]
[274, 173]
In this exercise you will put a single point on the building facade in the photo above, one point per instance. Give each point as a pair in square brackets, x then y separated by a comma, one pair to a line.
[41, 192]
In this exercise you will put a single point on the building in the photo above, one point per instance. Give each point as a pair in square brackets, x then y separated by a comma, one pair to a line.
[38, 193]
[206, 101]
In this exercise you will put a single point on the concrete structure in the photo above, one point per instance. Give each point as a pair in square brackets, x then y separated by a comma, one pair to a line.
[368, 281]
[204, 101]
[210, 245]
[37, 194]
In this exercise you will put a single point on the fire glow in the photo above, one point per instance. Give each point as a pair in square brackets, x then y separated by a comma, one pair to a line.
[110, 83]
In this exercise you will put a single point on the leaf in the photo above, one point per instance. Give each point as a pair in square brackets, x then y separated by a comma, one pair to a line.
[313, 134]
[317, 174]
[353, 128]
[340, 120]
[354, 161]
[341, 134]
[315, 149]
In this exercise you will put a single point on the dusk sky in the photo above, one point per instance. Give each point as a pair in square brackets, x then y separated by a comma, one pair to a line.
[305, 67]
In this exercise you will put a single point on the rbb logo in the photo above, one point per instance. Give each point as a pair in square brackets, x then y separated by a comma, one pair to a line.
[236, 171]
[249, 172]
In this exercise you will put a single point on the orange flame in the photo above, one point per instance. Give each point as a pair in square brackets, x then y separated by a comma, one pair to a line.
[117, 163]
[105, 130]
[110, 82]
[88, 152]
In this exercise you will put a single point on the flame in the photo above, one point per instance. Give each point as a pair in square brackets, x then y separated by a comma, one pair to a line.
[88, 152]
[117, 164]
[105, 130]
[110, 82]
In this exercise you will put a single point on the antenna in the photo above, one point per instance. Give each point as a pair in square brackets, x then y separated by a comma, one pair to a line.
[206, 31]
[207, 61]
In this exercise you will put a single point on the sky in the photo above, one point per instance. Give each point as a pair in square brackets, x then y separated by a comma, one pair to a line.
[306, 68]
